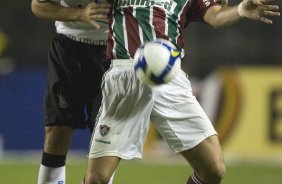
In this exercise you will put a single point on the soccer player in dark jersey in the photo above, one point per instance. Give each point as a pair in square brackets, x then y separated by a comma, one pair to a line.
[76, 64]
[128, 105]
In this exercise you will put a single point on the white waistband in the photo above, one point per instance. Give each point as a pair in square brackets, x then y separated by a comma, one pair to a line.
[87, 40]
[122, 63]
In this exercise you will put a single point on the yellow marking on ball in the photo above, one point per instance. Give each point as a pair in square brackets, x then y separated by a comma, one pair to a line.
[174, 53]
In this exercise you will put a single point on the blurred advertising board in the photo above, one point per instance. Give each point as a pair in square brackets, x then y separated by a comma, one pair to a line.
[21, 111]
[245, 104]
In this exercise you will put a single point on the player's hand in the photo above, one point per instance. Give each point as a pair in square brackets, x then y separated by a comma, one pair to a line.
[260, 10]
[93, 12]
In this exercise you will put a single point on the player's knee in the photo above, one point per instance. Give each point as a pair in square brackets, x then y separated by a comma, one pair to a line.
[97, 179]
[215, 174]
[57, 140]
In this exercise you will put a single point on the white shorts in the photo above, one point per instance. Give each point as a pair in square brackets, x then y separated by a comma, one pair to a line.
[128, 106]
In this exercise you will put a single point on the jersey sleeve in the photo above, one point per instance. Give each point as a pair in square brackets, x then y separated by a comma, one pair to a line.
[198, 8]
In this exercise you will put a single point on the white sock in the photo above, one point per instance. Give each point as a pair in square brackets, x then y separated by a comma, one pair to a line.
[52, 175]
[112, 178]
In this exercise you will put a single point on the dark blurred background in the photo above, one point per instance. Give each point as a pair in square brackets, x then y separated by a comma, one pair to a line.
[28, 40]
[28, 36]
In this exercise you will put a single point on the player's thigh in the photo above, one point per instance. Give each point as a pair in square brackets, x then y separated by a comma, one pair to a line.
[101, 169]
[178, 116]
[185, 126]
[64, 97]
[206, 157]
[124, 119]
[57, 139]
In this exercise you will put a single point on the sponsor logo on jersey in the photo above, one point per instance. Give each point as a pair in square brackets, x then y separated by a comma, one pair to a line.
[60, 182]
[104, 130]
[168, 5]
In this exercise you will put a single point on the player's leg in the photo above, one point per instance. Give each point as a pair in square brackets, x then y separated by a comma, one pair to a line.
[100, 170]
[207, 161]
[64, 109]
[95, 66]
[122, 124]
[200, 147]
[56, 146]
[188, 130]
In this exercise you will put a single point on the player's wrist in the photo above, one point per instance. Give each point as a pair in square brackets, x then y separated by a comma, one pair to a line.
[80, 15]
[240, 10]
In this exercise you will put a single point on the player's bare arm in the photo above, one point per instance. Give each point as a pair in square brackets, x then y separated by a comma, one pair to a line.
[93, 12]
[49, 10]
[260, 10]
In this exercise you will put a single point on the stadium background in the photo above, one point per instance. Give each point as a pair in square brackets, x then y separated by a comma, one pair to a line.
[236, 73]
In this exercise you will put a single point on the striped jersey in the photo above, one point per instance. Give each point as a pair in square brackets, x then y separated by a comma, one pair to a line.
[134, 22]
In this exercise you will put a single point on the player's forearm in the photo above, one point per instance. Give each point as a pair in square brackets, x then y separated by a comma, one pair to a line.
[219, 17]
[258, 10]
[54, 11]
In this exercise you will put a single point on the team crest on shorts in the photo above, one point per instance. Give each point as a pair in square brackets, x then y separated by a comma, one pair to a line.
[104, 130]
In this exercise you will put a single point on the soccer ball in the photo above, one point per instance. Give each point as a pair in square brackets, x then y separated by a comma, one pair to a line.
[157, 62]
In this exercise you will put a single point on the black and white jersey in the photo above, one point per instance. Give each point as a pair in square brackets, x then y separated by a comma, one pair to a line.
[82, 30]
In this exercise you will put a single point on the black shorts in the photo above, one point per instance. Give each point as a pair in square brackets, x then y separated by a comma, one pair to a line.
[73, 91]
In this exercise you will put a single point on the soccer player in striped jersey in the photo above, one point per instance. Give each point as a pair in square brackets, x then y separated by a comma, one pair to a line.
[128, 105]
[76, 63]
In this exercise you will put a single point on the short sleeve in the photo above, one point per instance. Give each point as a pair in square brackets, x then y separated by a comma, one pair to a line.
[198, 8]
